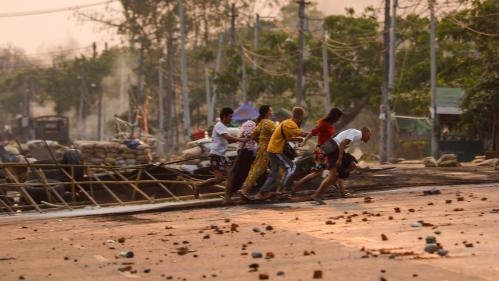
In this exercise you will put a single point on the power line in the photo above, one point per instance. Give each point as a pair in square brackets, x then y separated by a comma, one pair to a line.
[50, 11]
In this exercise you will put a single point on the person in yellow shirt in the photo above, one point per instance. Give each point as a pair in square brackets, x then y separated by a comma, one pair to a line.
[288, 130]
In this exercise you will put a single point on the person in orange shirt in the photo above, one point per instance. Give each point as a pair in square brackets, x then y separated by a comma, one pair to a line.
[288, 130]
[324, 130]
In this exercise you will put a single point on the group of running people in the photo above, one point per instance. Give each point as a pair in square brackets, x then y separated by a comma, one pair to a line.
[263, 144]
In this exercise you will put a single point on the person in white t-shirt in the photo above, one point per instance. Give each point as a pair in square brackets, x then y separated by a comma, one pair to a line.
[220, 141]
[334, 149]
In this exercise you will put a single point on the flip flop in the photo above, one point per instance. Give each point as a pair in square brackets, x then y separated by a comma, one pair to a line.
[244, 195]
[317, 201]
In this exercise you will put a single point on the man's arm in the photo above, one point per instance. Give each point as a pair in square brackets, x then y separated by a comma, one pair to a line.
[341, 148]
[232, 139]
[307, 137]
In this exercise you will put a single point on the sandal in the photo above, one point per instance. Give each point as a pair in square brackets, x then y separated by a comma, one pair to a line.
[317, 200]
[244, 194]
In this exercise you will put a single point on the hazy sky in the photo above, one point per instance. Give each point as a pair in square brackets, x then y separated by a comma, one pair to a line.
[41, 33]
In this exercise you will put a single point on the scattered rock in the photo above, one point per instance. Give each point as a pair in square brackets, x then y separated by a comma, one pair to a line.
[269, 255]
[397, 209]
[121, 240]
[254, 267]
[280, 273]
[443, 252]
[416, 224]
[256, 255]
[460, 198]
[269, 228]
[147, 270]
[384, 237]
[127, 254]
[124, 268]
[438, 232]
[431, 239]
[263, 276]
[233, 227]
[469, 245]
[426, 224]
[433, 191]
[317, 274]
[256, 229]
[431, 248]
[329, 222]
[448, 201]
[207, 236]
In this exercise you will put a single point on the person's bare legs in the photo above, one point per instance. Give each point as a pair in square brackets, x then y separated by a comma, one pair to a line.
[218, 178]
[298, 184]
[327, 182]
[229, 185]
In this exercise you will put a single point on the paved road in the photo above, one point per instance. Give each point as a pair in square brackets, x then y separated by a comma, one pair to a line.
[218, 243]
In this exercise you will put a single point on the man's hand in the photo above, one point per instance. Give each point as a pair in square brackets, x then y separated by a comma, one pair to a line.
[247, 139]
[338, 163]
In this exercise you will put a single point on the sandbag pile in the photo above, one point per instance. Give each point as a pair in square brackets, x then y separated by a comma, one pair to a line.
[199, 150]
[482, 161]
[446, 160]
[37, 149]
[113, 153]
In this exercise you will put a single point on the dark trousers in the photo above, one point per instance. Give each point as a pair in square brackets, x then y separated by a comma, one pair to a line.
[241, 168]
[278, 161]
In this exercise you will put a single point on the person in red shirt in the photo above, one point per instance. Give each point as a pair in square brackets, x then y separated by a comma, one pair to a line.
[324, 130]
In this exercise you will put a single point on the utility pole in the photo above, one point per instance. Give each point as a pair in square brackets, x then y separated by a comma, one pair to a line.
[433, 82]
[138, 97]
[255, 40]
[208, 93]
[391, 78]
[122, 87]
[100, 126]
[170, 98]
[161, 108]
[325, 70]
[244, 76]
[81, 124]
[233, 36]
[301, 47]
[384, 105]
[183, 73]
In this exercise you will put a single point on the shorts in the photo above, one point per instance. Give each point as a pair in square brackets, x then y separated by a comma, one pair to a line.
[218, 163]
[320, 160]
[344, 170]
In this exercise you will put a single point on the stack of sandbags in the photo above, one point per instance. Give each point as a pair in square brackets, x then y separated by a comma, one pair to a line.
[446, 160]
[38, 149]
[430, 162]
[113, 153]
[148, 139]
[494, 162]
[201, 148]
[478, 159]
